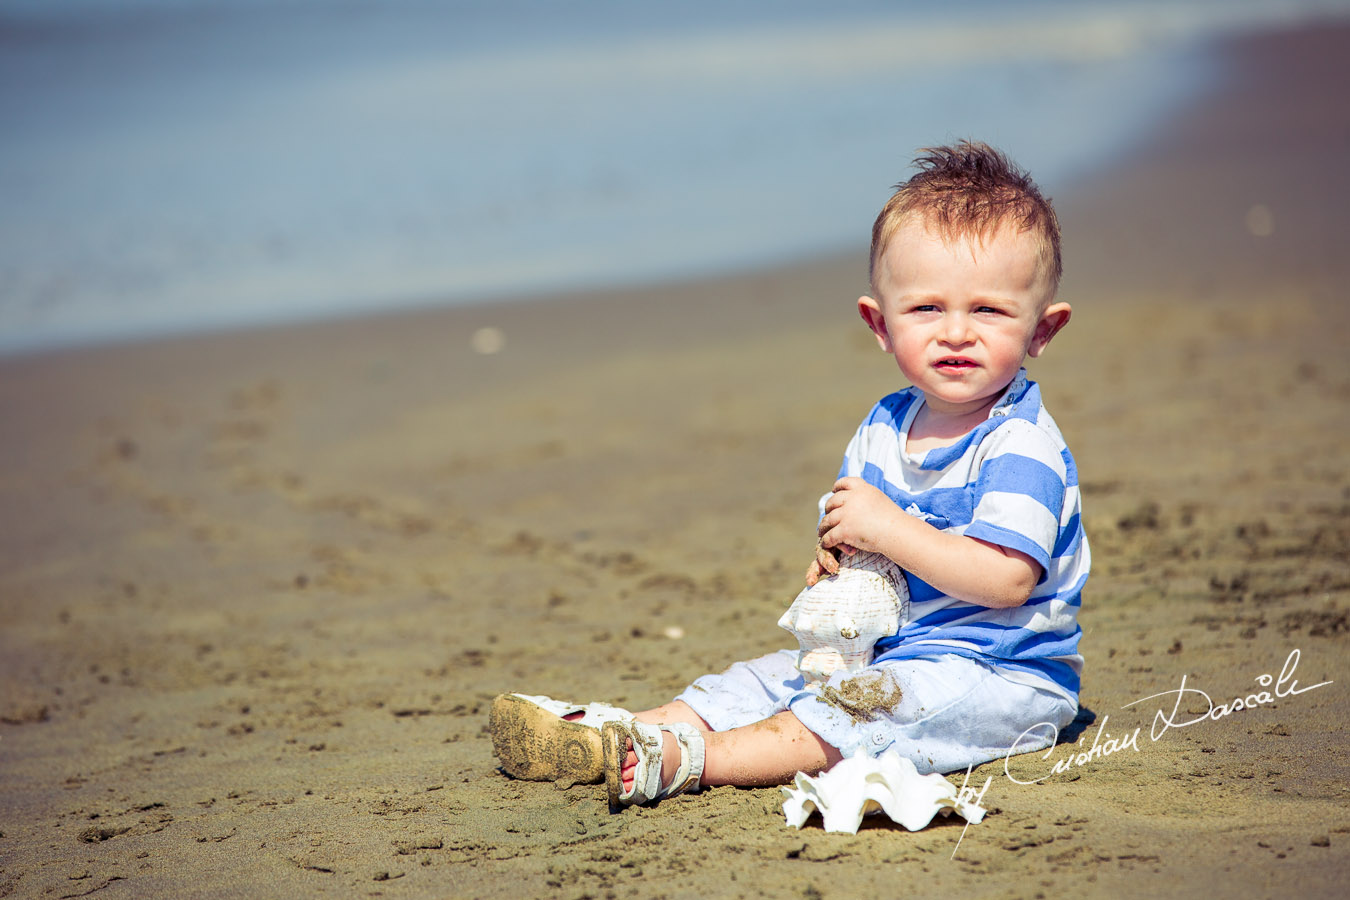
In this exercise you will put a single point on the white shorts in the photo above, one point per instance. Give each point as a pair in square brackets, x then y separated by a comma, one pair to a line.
[943, 712]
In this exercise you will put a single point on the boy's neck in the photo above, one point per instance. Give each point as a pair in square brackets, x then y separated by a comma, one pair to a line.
[933, 427]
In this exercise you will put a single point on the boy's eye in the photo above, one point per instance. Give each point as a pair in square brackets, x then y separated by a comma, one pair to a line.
[989, 309]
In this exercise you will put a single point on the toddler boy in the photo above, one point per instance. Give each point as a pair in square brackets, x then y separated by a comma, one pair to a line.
[962, 480]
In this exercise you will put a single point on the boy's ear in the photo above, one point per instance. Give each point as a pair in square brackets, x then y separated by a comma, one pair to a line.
[1055, 317]
[870, 310]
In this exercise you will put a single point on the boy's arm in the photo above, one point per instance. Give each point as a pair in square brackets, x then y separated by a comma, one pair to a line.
[969, 569]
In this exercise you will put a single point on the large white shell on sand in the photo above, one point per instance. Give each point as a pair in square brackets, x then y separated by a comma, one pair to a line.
[837, 620]
[863, 784]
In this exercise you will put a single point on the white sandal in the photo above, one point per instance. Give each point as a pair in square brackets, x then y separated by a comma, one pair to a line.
[646, 742]
[534, 742]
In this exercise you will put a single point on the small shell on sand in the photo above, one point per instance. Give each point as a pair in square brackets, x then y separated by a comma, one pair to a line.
[837, 620]
[863, 784]
[488, 340]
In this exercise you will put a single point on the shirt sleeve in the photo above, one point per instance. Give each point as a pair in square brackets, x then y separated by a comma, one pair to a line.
[855, 458]
[1019, 491]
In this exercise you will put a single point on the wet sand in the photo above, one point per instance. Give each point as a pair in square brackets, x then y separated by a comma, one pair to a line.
[258, 589]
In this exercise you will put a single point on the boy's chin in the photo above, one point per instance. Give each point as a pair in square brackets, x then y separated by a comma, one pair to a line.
[957, 401]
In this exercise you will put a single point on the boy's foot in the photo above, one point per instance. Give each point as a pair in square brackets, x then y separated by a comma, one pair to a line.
[647, 744]
[538, 739]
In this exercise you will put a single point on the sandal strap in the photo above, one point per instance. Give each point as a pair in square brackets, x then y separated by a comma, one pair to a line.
[693, 754]
[647, 746]
[594, 715]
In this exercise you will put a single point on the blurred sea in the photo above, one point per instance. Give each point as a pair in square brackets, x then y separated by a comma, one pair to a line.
[172, 166]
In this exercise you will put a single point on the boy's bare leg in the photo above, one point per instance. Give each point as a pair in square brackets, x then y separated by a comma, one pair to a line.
[672, 712]
[765, 753]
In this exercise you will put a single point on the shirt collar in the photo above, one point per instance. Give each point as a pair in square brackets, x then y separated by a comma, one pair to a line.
[1015, 392]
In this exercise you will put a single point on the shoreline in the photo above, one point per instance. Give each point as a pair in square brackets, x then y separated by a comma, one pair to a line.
[260, 587]
[222, 267]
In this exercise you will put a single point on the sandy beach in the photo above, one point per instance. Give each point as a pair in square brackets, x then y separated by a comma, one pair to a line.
[258, 589]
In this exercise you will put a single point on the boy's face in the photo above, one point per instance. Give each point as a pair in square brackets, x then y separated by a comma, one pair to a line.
[961, 317]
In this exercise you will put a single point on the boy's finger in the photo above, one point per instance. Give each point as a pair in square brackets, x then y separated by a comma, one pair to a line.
[827, 560]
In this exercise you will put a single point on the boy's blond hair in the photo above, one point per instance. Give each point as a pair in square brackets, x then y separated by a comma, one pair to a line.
[968, 191]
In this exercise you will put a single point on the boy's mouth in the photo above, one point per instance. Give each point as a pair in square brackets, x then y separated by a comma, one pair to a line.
[955, 362]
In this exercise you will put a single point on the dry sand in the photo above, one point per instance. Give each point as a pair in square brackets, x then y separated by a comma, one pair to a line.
[257, 590]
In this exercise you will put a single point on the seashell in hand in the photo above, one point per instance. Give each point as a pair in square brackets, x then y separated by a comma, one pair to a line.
[862, 784]
[838, 619]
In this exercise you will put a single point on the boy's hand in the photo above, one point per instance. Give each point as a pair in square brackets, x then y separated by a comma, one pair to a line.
[857, 517]
[825, 563]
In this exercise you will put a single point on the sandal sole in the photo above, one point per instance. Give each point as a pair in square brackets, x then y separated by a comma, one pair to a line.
[614, 750]
[533, 744]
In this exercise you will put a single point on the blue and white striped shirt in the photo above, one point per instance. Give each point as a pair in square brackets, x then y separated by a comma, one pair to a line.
[1011, 481]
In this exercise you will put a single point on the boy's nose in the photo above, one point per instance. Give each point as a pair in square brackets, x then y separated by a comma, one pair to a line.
[955, 328]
